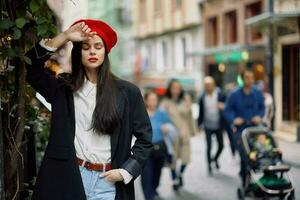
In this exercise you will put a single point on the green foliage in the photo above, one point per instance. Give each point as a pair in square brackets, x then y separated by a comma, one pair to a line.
[31, 18]
[22, 24]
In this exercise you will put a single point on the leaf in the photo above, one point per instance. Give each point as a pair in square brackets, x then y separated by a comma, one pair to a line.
[53, 28]
[9, 52]
[17, 34]
[20, 22]
[27, 60]
[42, 29]
[6, 24]
[34, 6]
[41, 20]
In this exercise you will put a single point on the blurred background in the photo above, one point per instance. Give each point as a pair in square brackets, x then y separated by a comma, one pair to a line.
[186, 40]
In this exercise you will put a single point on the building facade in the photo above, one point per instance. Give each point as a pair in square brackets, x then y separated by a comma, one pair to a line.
[281, 22]
[166, 32]
[229, 45]
[118, 13]
[263, 35]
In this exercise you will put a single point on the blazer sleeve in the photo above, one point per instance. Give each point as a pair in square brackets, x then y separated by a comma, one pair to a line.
[43, 82]
[142, 130]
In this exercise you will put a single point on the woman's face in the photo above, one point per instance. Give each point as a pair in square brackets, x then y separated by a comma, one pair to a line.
[175, 89]
[93, 52]
[152, 101]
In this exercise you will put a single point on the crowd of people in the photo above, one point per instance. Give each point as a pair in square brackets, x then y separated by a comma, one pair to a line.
[220, 111]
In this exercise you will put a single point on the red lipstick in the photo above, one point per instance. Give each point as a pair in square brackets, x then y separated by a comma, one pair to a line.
[93, 59]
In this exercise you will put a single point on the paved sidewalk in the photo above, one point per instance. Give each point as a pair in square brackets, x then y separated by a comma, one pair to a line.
[290, 151]
[223, 184]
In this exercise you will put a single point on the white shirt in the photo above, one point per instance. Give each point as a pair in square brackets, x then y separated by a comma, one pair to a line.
[211, 118]
[89, 146]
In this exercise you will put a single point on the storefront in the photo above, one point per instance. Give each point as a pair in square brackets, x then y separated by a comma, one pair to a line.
[226, 64]
[286, 42]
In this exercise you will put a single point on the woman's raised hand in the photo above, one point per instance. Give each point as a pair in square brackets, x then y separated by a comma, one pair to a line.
[79, 32]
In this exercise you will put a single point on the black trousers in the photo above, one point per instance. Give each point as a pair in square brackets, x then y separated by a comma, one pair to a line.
[231, 138]
[151, 174]
[243, 158]
[219, 135]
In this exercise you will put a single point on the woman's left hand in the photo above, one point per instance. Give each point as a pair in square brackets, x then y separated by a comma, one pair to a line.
[113, 175]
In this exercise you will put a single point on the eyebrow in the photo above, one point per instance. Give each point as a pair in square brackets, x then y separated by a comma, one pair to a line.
[99, 43]
[94, 44]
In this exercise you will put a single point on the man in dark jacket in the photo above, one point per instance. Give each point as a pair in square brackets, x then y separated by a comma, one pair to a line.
[211, 105]
[244, 107]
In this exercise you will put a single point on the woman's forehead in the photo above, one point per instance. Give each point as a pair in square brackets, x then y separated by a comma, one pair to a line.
[94, 39]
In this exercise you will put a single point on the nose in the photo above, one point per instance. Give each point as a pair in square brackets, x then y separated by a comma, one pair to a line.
[92, 51]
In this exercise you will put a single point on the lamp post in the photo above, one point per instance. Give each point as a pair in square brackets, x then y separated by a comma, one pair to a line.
[270, 52]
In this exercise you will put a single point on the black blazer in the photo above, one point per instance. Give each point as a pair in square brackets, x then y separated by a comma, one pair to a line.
[201, 102]
[59, 176]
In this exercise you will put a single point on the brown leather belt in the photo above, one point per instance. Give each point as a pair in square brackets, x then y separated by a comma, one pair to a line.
[95, 167]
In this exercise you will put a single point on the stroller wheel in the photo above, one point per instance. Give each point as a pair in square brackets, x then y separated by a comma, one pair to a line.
[240, 194]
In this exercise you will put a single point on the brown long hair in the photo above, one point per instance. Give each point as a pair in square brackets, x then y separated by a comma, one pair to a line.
[105, 116]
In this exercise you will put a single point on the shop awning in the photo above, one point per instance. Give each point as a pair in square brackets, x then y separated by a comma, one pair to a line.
[226, 49]
[288, 19]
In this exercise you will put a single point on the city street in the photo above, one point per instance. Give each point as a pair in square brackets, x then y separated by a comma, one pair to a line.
[223, 184]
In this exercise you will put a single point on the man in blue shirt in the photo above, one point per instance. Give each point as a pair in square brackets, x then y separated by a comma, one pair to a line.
[244, 108]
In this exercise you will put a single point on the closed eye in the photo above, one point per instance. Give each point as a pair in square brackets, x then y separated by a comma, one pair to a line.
[85, 46]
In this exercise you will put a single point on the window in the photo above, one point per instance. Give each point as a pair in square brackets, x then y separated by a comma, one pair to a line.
[290, 82]
[176, 4]
[253, 10]
[142, 11]
[212, 33]
[231, 27]
[158, 7]
[184, 51]
[165, 54]
[124, 16]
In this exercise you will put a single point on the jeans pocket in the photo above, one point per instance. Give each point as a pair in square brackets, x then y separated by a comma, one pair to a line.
[104, 188]
[108, 182]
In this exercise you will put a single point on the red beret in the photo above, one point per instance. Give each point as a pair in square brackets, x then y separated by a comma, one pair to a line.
[108, 35]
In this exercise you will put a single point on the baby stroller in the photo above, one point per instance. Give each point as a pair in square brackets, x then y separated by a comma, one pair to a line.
[267, 175]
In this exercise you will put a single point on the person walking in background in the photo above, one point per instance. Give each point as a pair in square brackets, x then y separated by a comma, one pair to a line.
[244, 107]
[161, 126]
[211, 105]
[228, 89]
[178, 105]
[269, 104]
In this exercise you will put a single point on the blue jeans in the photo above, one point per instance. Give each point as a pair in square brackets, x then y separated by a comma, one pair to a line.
[95, 186]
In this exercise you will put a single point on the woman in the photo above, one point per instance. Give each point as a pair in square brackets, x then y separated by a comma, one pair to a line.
[269, 104]
[161, 125]
[94, 116]
[178, 106]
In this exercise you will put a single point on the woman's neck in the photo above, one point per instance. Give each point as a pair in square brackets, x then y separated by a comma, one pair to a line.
[92, 75]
